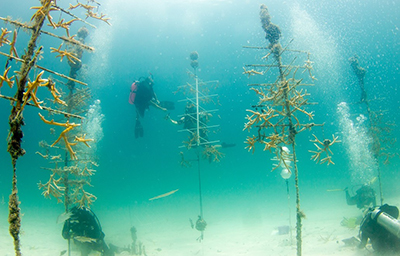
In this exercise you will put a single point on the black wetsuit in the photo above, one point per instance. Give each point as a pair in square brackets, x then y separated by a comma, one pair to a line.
[363, 197]
[144, 94]
[84, 223]
[382, 240]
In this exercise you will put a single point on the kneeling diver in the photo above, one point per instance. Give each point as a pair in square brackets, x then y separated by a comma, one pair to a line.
[84, 228]
[381, 227]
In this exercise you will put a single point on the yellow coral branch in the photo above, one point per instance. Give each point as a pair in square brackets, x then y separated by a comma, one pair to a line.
[5, 78]
[64, 53]
[252, 72]
[3, 36]
[83, 140]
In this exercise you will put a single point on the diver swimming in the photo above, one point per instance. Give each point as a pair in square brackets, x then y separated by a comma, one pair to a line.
[142, 95]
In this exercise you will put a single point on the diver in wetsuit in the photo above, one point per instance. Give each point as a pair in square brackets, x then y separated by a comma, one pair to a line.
[364, 197]
[142, 96]
[84, 228]
[381, 227]
[189, 121]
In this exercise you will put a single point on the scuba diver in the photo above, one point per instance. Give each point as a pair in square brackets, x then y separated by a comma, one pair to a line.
[364, 197]
[381, 227]
[142, 95]
[84, 228]
[189, 121]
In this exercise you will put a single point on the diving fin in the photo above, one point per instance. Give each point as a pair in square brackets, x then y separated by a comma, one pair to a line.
[169, 105]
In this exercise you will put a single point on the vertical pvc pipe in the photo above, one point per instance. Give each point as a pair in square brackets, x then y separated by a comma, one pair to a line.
[197, 111]
[198, 149]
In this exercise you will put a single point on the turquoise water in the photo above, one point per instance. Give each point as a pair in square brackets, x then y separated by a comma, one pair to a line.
[157, 37]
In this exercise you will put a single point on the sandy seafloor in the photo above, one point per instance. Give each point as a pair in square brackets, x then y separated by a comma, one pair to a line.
[246, 229]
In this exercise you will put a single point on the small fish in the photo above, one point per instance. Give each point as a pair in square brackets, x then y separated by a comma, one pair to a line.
[335, 190]
[85, 239]
[63, 217]
[163, 195]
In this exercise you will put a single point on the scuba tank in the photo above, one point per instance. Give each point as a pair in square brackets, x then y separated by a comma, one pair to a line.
[381, 227]
[132, 94]
[388, 222]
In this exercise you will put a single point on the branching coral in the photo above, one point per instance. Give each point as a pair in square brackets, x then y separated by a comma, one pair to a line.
[280, 108]
[85, 6]
[31, 91]
[13, 50]
[33, 87]
[83, 140]
[89, 12]
[87, 171]
[68, 127]
[64, 25]
[44, 11]
[4, 36]
[325, 148]
[5, 78]
[64, 53]
[183, 162]
[54, 92]
[97, 16]
[73, 178]
[264, 118]
[81, 197]
[52, 188]
[212, 153]
[252, 72]
[27, 90]
[251, 141]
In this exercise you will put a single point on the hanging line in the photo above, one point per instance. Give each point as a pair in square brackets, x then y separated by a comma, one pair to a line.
[290, 212]
[198, 150]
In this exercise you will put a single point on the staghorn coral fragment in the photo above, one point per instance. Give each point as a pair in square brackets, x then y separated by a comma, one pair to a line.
[5, 78]
[68, 127]
[324, 149]
[252, 72]
[81, 197]
[68, 146]
[31, 91]
[4, 36]
[98, 17]
[44, 10]
[64, 25]
[40, 154]
[64, 53]
[250, 141]
[13, 50]
[52, 188]
[212, 153]
[83, 140]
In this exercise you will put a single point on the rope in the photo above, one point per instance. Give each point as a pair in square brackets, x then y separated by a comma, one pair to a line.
[290, 211]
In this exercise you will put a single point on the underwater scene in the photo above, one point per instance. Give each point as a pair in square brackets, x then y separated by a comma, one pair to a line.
[199, 127]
